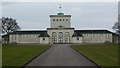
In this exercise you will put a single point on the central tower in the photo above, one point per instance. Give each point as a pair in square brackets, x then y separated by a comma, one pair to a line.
[60, 20]
[60, 30]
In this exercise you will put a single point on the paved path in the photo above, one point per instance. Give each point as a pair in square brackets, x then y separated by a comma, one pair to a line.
[61, 55]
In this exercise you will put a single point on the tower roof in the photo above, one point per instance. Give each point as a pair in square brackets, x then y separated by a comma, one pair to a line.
[60, 13]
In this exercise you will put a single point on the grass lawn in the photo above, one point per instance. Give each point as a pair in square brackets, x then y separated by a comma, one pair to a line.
[102, 54]
[0, 54]
[17, 55]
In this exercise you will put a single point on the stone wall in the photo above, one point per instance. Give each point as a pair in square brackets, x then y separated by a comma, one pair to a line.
[87, 37]
[65, 24]
[44, 40]
[79, 40]
[24, 38]
[97, 37]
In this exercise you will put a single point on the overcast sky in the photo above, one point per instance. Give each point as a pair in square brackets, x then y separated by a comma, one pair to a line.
[85, 15]
[60, 0]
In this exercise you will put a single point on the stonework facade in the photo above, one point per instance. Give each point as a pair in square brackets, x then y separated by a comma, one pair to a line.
[60, 31]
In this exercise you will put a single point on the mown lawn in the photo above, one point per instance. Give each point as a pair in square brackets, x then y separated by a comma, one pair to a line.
[17, 55]
[102, 54]
[0, 54]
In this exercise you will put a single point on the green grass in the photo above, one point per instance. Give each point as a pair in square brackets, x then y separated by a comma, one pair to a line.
[17, 55]
[0, 54]
[102, 54]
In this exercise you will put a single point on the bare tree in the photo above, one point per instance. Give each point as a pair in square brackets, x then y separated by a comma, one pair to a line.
[116, 27]
[9, 25]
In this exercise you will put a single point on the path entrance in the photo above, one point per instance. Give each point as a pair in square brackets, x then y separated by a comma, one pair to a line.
[61, 55]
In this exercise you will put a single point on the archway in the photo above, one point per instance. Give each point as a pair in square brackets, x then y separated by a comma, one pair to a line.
[67, 37]
[60, 37]
[54, 37]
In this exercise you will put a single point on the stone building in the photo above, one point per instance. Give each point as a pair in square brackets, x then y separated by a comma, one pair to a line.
[60, 31]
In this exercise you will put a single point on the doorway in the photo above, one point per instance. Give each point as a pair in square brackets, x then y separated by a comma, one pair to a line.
[60, 37]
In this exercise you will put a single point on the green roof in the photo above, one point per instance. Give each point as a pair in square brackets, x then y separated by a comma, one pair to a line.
[60, 13]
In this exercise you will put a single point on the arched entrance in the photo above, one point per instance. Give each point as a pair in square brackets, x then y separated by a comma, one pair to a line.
[54, 37]
[67, 37]
[60, 37]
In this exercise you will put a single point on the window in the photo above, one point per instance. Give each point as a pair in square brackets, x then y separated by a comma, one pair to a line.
[60, 19]
[53, 19]
[93, 34]
[43, 39]
[14, 37]
[56, 19]
[67, 37]
[60, 37]
[77, 38]
[27, 36]
[63, 19]
[22, 36]
[54, 37]
[66, 19]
